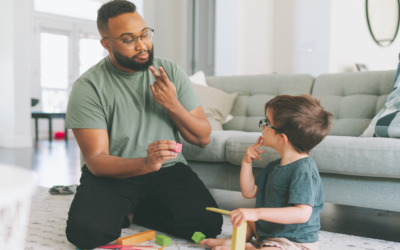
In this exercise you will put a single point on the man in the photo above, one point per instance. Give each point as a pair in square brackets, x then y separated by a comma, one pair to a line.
[126, 115]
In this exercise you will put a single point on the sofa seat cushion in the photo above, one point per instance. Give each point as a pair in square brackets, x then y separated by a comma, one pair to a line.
[375, 157]
[237, 145]
[215, 150]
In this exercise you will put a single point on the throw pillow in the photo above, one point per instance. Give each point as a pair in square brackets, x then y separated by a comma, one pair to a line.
[198, 78]
[387, 122]
[216, 104]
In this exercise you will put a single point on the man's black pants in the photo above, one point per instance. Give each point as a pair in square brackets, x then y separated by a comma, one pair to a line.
[171, 200]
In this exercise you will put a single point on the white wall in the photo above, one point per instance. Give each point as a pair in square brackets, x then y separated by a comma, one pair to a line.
[226, 12]
[311, 36]
[15, 51]
[255, 32]
[169, 20]
[283, 36]
[351, 42]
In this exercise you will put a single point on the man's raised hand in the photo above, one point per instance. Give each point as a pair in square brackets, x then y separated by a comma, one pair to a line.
[158, 152]
[163, 90]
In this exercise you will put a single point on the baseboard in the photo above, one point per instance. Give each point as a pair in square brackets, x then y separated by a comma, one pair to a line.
[9, 141]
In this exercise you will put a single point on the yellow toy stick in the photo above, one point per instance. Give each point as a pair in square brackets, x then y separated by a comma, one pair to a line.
[238, 233]
[239, 237]
[217, 210]
[162, 247]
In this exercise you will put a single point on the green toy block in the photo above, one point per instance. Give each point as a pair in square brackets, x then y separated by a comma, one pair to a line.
[198, 236]
[163, 240]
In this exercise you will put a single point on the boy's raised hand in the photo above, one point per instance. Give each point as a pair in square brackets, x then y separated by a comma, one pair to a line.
[252, 153]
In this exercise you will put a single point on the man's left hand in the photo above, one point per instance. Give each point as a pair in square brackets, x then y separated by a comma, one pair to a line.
[163, 90]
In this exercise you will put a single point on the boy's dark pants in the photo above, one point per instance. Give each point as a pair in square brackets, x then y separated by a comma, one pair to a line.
[171, 200]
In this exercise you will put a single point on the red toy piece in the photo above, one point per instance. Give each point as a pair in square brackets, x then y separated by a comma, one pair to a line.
[178, 148]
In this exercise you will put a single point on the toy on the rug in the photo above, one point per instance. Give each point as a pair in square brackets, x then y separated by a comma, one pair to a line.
[137, 238]
[178, 148]
[198, 236]
[162, 247]
[130, 247]
[163, 240]
[144, 248]
[238, 233]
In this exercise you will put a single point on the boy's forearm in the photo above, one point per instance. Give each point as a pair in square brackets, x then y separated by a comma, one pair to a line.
[284, 215]
[247, 185]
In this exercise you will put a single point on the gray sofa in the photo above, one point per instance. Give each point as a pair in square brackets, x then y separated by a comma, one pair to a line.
[355, 171]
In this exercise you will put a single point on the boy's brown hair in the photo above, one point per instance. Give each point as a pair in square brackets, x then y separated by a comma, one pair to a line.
[301, 118]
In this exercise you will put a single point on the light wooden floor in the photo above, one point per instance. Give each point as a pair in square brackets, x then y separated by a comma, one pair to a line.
[58, 164]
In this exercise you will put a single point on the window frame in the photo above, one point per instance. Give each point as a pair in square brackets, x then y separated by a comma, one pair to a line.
[57, 24]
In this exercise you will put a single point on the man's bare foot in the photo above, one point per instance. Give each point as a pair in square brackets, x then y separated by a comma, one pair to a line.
[212, 243]
[130, 217]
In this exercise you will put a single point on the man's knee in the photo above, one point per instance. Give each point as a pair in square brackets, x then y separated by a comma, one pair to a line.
[87, 235]
[212, 225]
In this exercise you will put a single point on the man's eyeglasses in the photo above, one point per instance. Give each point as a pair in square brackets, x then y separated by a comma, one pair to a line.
[265, 122]
[130, 42]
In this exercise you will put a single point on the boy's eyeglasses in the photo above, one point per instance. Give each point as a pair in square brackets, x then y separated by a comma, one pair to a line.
[131, 41]
[265, 122]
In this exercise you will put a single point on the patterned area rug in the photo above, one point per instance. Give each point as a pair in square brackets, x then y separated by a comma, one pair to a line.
[46, 230]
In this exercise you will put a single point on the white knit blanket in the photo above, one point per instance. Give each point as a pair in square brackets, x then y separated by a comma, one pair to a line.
[46, 230]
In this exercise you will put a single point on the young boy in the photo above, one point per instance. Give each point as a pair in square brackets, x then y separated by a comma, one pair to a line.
[289, 196]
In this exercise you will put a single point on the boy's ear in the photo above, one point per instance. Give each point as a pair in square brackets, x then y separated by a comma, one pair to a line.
[283, 139]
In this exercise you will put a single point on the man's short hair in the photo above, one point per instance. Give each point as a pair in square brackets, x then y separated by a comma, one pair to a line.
[112, 9]
[301, 118]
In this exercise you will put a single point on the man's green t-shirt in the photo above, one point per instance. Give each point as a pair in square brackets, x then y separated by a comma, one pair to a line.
[122, 103]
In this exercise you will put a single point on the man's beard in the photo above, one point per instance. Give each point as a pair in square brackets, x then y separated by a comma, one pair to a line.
[130, 63]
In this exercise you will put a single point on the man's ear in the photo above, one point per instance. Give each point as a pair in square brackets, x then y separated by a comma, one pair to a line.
[105, 45]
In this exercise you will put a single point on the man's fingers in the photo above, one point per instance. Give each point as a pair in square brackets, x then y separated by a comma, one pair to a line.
[160, 147]
[164, 75]
[164, 158]
[162, 142]
[154, 71]
[153, 89]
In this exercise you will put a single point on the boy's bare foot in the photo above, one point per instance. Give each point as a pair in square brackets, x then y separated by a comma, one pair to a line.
[130, 217]
[212, 243]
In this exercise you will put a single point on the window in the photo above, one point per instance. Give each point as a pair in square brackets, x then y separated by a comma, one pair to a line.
[90, 52]
[67, 44]
[85, 9]
[65, 48]
[54, 71]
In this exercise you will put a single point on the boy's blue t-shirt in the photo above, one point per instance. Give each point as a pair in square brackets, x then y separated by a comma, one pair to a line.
[283, 186]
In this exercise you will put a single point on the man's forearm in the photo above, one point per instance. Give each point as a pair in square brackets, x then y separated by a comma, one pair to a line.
[103, 165]
[194, 130]
[284, 215]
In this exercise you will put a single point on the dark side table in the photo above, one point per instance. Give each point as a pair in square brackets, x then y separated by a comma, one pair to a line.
[37, 114]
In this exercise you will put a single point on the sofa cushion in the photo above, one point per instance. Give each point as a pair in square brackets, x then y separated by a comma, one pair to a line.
[387, 122]
[216, 104]
[215, 150]
[237, 145]
[256, 90]
[353, 98]
[376, 157]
